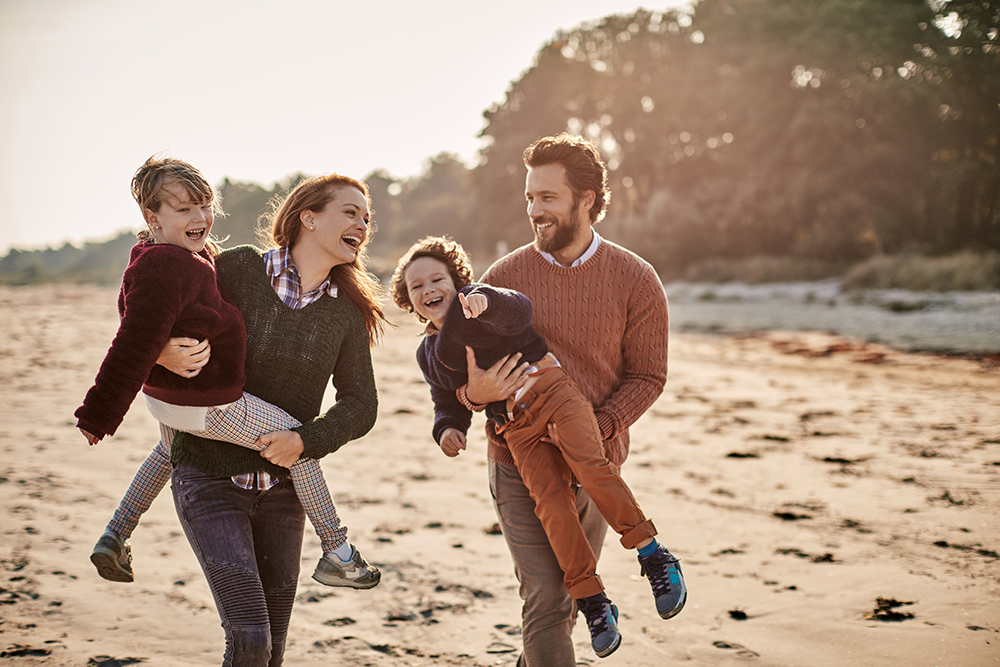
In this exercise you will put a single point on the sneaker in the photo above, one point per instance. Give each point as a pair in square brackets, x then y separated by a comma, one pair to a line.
[602, 621]
[356, 573]
[664, 573]
[113, 557]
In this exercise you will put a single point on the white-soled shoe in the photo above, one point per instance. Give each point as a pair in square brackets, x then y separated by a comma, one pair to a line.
[356, 573]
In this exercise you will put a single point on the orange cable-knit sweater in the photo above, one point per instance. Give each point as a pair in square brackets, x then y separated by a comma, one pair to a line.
[607, 323]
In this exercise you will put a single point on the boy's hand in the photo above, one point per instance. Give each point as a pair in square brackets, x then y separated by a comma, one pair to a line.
[452, 442]
[473, 305]
[91, 438]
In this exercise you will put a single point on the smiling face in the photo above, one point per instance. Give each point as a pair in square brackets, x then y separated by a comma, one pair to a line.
[430, 288]
[561, 224]
[180, 221]
[341, 228]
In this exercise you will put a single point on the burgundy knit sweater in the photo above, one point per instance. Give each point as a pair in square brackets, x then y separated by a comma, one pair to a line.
[607, 323]
[166, 292]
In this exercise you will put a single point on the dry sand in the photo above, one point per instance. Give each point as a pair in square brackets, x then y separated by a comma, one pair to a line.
[801, 478]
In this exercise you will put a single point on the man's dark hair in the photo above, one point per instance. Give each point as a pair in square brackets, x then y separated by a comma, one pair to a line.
[584, 168]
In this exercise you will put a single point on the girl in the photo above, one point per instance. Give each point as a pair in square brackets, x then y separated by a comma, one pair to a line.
[170, 289]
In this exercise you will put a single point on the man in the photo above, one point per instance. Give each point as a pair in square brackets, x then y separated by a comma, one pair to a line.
[603, 312]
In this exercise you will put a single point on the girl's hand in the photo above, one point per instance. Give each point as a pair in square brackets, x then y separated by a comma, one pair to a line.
[185, 356]
[452, 442]
[91, 438]
[282, 448]
[473, 305]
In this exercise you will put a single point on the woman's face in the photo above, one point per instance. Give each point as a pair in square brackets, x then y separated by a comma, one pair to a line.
[341, 228]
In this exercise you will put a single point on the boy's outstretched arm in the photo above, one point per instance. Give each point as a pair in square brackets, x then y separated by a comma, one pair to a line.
[473, 305]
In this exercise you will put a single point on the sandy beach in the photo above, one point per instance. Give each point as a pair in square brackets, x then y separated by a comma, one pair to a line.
[833, 503]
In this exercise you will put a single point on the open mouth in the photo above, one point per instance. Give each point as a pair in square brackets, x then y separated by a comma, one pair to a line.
[353, 241]
[196, 234]
[433, 302]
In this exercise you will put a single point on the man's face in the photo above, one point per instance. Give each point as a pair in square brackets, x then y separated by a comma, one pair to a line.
[556, 220]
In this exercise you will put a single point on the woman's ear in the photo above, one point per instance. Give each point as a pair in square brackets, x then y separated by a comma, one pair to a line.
[307, 220]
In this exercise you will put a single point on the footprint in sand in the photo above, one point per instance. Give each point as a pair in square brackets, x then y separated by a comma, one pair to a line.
[741, 650]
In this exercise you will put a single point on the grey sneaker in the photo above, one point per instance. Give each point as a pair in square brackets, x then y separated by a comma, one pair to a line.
[113, 558]
[664, 573]
[354, 574]
[602, 621]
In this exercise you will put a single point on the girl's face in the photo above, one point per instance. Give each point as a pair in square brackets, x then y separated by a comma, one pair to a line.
[341, 228]
[430, 288]
[179, 221]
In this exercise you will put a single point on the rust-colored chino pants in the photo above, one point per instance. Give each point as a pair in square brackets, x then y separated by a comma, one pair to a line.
[548, 470]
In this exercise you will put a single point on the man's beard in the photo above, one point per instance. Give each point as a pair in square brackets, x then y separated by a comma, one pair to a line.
[564, 235]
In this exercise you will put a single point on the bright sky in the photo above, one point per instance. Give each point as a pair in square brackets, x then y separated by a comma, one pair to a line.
[245, 90]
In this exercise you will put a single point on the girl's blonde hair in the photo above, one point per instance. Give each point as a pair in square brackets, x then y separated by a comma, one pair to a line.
[285, 222]
[158, 171]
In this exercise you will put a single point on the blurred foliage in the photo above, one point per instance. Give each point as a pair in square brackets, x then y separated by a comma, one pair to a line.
[808, 134]
[964, 270]
[827, 129]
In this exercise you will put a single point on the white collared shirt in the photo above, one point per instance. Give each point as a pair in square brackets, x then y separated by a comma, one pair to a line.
[588, 253]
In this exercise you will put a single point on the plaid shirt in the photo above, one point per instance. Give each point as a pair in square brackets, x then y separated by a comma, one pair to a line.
[288, 286]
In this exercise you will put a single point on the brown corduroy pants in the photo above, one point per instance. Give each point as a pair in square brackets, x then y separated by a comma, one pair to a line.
[548, 470]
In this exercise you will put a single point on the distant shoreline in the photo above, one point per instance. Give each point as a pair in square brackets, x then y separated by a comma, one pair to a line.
[956, 323]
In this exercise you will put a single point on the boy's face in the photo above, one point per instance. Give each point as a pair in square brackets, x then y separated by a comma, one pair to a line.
[430, 288]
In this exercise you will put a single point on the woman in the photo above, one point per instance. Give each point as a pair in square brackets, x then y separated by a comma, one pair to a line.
[312, 313]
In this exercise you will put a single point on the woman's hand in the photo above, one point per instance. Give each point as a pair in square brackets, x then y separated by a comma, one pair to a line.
[452, 442]
[282, 448]
[91, 438]
[498, 381]
[185, 356]
[473, 305]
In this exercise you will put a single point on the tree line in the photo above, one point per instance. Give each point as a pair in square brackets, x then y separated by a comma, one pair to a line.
[822, 130]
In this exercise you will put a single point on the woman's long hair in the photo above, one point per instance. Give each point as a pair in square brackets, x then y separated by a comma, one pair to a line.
[314, 194]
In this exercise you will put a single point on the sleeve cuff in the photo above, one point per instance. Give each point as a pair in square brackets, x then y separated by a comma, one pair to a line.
[607, 425]
[464, 399]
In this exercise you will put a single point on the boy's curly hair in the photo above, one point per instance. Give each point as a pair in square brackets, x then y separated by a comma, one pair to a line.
[442, 248]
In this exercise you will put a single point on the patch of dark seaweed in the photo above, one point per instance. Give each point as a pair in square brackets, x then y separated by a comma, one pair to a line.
[885, 611]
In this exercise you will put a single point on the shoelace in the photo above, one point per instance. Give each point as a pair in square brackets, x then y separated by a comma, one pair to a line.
[597, 617]
[656, 569]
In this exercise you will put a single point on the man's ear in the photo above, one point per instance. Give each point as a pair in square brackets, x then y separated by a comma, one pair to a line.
[588, 199]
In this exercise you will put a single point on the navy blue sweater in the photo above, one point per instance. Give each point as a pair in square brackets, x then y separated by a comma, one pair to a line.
[503, 328]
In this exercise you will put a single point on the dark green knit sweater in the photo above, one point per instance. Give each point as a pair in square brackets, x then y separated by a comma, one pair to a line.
[291, 355]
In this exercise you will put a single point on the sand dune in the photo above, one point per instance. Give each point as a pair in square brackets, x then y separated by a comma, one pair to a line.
[834, 503]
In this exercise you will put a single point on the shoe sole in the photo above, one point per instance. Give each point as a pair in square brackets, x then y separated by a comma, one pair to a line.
[611, 649]
[676, 610]
[108, 567]
[347, 583]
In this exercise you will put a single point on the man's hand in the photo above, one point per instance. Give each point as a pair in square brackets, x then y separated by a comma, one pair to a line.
[185, 356]
[452, 442]
[473, 305]
[497, 382]
[282, 448]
